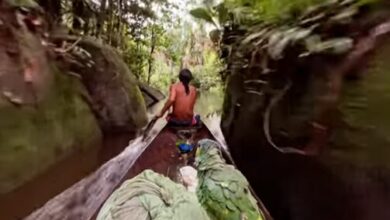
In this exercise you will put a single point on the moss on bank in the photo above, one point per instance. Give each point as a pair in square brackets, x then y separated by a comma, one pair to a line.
[136, 101]
[115, 95]
[34, 138]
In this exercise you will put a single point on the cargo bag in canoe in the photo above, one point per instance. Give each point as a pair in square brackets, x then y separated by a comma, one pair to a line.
[151, 196]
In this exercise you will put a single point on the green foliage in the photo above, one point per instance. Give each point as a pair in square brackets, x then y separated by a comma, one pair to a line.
[152, 36]
[249, 12]
[271, 10]
[214, 14]
[135, 55]
[207, 75]
[163, 75]
[308, 32]
[202, 13]
[186, 46]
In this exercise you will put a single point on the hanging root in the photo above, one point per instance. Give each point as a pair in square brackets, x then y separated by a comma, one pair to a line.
[266, 124]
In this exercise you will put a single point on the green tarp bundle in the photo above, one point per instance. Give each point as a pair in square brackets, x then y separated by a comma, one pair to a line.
[223, 190]
[151, 196]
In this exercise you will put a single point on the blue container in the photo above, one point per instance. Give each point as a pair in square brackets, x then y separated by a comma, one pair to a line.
[185, 148]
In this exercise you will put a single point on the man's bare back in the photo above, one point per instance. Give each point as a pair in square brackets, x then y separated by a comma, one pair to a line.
[183, 103]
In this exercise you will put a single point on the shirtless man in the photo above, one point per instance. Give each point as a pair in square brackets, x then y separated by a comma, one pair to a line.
[182, 97]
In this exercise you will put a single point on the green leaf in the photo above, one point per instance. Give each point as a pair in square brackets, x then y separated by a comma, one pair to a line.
[223, 13]
[202, 13]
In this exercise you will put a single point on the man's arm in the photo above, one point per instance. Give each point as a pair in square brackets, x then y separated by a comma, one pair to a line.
[168, 103]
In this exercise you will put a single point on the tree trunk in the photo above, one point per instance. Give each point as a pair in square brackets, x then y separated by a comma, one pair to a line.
[138, 73]
[78, 12]
[52, 10]
[101, 18]
[111, 20]
[86, 27]
[152, 48]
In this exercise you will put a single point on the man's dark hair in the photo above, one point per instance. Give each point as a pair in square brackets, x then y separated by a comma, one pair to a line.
[185, 77]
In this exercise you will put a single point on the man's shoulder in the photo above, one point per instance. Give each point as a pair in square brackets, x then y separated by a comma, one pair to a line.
[175, 86]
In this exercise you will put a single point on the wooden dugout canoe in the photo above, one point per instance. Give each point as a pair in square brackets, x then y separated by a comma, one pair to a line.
[162, 155]
[157, 152]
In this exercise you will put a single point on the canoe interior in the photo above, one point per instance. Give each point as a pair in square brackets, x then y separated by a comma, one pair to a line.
[162, 156]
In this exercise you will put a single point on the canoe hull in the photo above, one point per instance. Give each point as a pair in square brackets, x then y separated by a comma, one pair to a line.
[162, 156]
